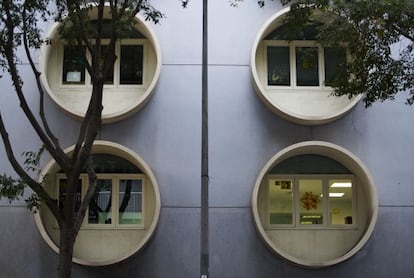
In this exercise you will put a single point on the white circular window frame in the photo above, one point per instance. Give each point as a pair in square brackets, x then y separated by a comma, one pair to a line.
[339, 154]
[119, 150]
[290, 105]
[46, 52]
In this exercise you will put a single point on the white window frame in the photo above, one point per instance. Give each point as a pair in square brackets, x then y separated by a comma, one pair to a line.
[116, 84]
[326, 206]
[292, 61]
[114, 200]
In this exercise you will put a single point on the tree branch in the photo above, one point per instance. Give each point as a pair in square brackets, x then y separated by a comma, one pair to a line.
[402, 33]
[60, 157]
[87, 198]
[34, 185]
[39, 87]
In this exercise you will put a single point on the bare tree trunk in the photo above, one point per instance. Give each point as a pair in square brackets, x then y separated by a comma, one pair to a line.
[64, 269]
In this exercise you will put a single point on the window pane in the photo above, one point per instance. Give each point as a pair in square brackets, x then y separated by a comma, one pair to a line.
[278, 66]
[307, 70]
[73, 66]
[130, 33]
[340, 201]
[63, 186]
[335, 63]
[109, 79]
[290, 32]
[100, 207]
[111, 164]
[280, 203]
[311, 203]
[131, 64]
[130, 202]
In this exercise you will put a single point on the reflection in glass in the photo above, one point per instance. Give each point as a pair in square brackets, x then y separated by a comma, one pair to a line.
[100, 207]
[307, 69]
[109, 78]
[130, 202]
[73, 65]
[335, 64]
[131, 64]
[280, 202]
[278, 66]
[63, 185]
[340, 202]
[311, 203]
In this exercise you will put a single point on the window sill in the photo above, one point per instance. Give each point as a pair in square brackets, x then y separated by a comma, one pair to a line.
[299, 90]
[321, 228]
[112, 228]
[73, 89]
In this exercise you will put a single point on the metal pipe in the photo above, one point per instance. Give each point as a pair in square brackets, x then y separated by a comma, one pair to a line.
[204, 260]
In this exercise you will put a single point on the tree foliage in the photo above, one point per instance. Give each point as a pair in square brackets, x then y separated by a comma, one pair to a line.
[379, 35]
[19, 30]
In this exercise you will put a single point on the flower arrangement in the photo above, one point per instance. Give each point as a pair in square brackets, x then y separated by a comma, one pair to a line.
[309, 201]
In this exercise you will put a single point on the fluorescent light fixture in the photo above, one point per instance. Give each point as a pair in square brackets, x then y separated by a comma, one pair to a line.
[335, 194]
[342, 184]
[311, 216]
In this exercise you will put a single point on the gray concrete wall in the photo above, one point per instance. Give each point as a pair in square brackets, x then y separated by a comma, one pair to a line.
[244, 135]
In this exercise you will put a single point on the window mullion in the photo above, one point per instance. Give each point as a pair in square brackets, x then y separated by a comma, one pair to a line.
[321, 61]
[325, 201]
[354, 202]
[61, 53]
[84, 188]
[266, 203]
[143, 182]
[88, 79]
[292, 53]
[296, 203]
[144, 63]
[115, 198]
[117, 65]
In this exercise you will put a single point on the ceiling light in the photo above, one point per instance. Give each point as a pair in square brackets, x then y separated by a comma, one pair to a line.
[335, 194]
[341, 184]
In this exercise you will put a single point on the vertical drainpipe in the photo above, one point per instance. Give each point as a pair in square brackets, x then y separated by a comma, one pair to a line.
[204, 258]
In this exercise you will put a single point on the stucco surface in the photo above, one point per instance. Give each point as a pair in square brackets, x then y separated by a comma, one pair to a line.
[244, 134]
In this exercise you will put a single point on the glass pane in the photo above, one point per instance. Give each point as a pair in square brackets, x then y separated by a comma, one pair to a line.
[278, 66]
[109, 79]
[108, 163]
[280, 202]
[340, 201]
[100, 207]
[311, 203]
[63, 185]
[307, 70]
[335, 64]
[131, 64]
[130, 202]
[290, 32]
[73, 66]
[130, 33]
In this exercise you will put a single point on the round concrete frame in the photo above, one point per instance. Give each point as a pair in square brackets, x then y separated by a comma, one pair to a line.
[113, 117]
[112, 148]
[277, 107]
[339, 154]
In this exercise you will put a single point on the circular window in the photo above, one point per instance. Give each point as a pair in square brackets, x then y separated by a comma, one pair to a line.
[291, 73]
[315, 204]
[122, 215]
[128, 87]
